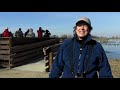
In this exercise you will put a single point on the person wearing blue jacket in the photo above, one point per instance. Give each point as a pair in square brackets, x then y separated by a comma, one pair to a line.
[81, 56]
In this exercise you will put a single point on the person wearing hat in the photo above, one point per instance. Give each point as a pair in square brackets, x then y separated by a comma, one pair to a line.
[81, 56]
[40, 32]
[6, 33]
[30, 33]
[19, 33]
[47, 33]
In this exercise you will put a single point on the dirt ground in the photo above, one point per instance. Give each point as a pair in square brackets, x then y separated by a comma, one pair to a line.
[36, 70]
[31, 70]
[5, 73]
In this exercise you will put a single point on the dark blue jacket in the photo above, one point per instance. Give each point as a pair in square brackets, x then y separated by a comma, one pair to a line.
[98, 65]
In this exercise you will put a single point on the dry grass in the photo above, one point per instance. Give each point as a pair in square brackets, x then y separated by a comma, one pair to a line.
[115, 67]
[5, 73]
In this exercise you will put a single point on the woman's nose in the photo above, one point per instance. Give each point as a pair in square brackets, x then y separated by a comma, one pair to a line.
[82, 26]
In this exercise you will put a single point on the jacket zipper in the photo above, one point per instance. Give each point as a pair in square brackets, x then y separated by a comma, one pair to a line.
[79, 60]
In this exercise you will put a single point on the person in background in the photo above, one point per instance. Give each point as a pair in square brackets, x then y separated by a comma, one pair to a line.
[26, 32]
[81, 56]
[30, 33]
[19, 33]
[47, 33]
[11, 34]
[40, 32]
[6, 33]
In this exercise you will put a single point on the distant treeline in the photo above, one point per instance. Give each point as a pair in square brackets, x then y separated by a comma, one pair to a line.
[101, 39]
[113, 37]
[95, 37]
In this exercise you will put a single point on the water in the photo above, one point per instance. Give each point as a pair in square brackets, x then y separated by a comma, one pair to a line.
[112, 49]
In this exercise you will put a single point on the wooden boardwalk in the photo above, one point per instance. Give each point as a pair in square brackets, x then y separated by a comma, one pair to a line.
[34, 66]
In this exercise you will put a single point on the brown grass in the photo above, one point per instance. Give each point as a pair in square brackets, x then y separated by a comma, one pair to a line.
[115, 67]
[5, 73]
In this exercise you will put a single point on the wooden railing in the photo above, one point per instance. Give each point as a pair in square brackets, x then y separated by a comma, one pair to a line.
[49, 55]
[18, 51]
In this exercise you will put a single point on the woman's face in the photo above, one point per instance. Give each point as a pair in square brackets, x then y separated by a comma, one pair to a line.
[82, 30]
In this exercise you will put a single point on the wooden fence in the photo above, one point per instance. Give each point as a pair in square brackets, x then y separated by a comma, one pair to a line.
[17, 51]
[49, 55]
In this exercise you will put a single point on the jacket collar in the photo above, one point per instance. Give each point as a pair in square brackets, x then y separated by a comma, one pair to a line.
[86, 39]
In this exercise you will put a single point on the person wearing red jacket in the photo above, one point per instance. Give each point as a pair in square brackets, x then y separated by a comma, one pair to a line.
[6, 33]
[40, 32]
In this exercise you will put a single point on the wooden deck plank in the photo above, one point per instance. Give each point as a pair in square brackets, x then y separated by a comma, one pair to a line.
[4, 51]
[16, 55]
[26, 57]
[4, 42]
[4, 57]
[4, 47]
[33, 45]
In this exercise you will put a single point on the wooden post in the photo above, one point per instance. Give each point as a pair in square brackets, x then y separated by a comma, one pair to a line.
[10, 45]
[47, 57]
[50, 60]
